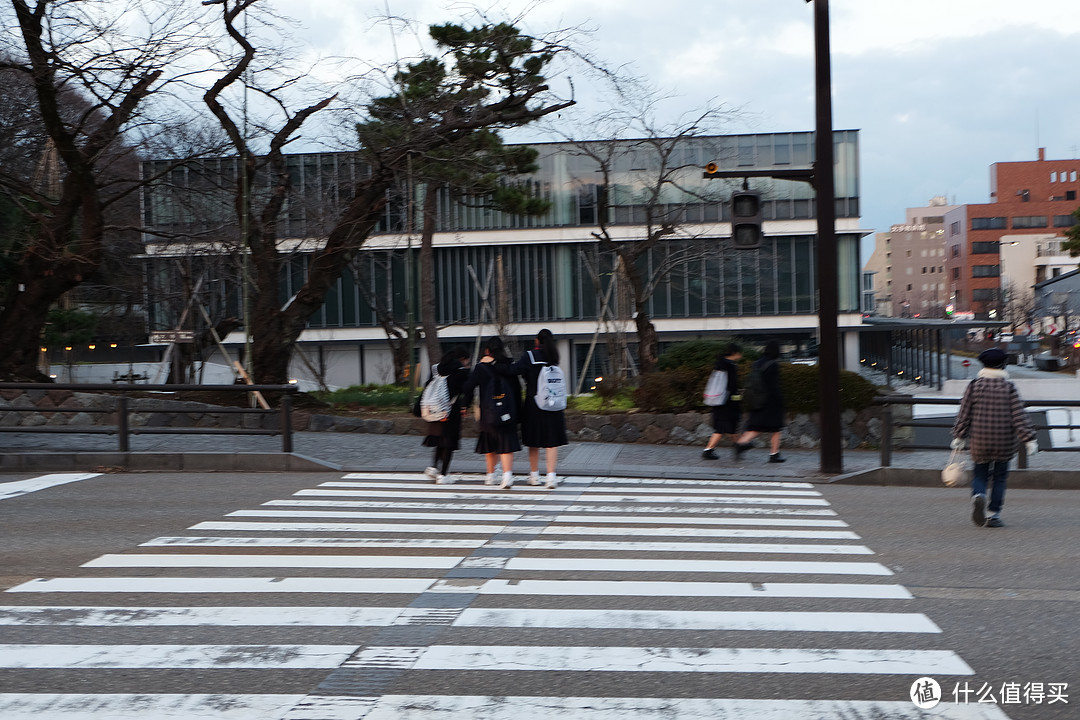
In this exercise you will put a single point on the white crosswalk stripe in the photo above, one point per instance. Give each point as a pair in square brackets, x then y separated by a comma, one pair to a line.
[598, 583]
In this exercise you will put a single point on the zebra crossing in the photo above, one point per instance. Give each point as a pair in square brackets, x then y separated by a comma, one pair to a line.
[382, 597]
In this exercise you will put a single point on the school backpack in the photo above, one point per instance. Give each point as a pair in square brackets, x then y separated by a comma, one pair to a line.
[550, 387]
[435, 401]
[716, 390]
[501, 406]
[754, 395]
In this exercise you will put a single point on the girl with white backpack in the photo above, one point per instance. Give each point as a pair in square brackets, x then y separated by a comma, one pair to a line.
[543, 424]
[444, 426]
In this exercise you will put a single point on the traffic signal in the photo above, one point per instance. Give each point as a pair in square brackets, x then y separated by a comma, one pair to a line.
[746, 233]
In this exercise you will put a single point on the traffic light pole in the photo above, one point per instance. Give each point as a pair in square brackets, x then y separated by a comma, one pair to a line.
[821, 177]
[832, 461]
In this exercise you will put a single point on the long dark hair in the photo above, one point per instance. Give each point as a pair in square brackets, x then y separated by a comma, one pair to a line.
[494, 345]
[547, 344]
[458, 352]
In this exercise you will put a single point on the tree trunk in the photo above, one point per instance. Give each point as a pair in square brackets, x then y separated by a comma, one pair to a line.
[427, 276]
[648, 343]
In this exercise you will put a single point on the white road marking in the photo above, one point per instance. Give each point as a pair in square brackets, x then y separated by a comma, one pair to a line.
[174, 656]
[698, 490]
[362, 515]
[487, 707]
[510, 517]
[532, 658]
[44, 706]
[148, 616]
[871, 622]
[769, 519]
[349, 527]
[504, 496]
[551, 506]
[331, 542]
[22, 487]
[384, 528]
[390, 586]
[699, 532]
[696, 547]
[695, 566]
[413, 586]
[309, 616]
[631, 588]
[271, 561]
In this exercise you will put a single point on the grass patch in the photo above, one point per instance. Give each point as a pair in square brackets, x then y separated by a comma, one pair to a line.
[375, 396]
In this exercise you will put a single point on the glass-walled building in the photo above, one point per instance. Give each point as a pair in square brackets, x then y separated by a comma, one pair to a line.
[497, 272]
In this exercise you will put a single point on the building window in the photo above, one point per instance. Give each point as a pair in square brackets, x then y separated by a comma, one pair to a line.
[956, 251]
[954, 229]
[1029, 221]
[984, 294]
[989, 247]
[1070, 194]
[1053, 176]
[1064, 221]
[981, 271]
[956, 273]
[988, 223]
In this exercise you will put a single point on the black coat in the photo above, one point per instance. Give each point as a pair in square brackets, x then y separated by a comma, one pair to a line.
[770, 417]
[447, 433]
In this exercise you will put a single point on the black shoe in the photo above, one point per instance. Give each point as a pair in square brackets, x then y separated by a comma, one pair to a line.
[775, 457]
[994, 521]
[978, 509]
[709, 454]
[739, 448]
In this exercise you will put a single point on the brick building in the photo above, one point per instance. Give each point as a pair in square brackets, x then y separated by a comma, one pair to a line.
[996, 251]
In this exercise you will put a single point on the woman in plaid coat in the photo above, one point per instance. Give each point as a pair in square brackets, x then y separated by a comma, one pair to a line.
[993, 420]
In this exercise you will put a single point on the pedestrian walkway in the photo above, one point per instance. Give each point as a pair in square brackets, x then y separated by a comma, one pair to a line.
[404, 453]
[380, 596]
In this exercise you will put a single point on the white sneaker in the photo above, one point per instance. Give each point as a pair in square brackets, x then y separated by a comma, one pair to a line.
[552, 481]
[534, 478]
[508, 481]
[431, 473]
[489, 479]
[445, 480]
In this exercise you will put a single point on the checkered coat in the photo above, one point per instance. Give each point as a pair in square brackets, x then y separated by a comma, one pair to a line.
[992, 417]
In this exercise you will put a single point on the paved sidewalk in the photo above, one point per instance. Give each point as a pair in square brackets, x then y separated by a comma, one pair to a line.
[404, 453]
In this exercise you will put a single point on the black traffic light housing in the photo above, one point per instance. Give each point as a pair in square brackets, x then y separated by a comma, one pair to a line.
[746, 232]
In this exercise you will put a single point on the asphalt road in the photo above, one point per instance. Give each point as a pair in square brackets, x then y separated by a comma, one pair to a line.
[184, 596]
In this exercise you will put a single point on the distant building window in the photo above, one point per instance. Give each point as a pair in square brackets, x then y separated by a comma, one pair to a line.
[1053, 176]
[909, 287]
[956, 273]
[989, 223]
[985, 271]
[954, 229]
[934, 220]
[1072, 176]
[984, 248]
[1070, 194]
[1029, 221]
[984, 294]
[1064, 221]
[956, 251]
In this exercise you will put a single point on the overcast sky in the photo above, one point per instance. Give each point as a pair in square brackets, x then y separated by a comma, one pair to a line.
[939, 89]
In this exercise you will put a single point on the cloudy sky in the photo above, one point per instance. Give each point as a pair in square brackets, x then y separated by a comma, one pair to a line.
[939, 89]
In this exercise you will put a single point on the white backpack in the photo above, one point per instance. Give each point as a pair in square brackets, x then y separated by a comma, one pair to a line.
[550, 387]
[435, 401]
[716, 390]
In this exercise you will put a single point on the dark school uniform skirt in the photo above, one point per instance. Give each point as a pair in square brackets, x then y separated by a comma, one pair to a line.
[543, 428]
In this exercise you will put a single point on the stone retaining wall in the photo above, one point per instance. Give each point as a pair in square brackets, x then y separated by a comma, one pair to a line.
[859, 429]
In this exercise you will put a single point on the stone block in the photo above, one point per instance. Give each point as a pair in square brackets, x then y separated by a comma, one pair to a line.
[688, 420]
[587, 435]
[574, 423]
[319, 423]
[663, 421]
[629, 433]
[655, 434]
[608, 433]
[33, 419]
[377, 426]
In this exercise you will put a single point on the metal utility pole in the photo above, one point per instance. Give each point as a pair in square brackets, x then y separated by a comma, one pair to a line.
[832, 460]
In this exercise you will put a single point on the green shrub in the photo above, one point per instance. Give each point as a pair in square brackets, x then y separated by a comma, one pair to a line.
[679, 390]
[381, 396]
[699, 354]
[596, 404]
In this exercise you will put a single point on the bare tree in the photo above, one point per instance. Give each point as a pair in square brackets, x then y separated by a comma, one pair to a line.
[646, 182]
[494, 74]
[87, 75]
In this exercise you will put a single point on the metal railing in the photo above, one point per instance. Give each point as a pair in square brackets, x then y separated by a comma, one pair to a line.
[889, 422]
[124, 429]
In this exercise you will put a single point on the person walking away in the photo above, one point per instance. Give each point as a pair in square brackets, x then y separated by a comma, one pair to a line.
[765, 401]
[499, 390]
[726, 416]
[542, 427]
[445, 435]
[993, 420]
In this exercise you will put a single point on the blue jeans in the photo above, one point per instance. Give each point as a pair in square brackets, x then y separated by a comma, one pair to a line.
[982, 473]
